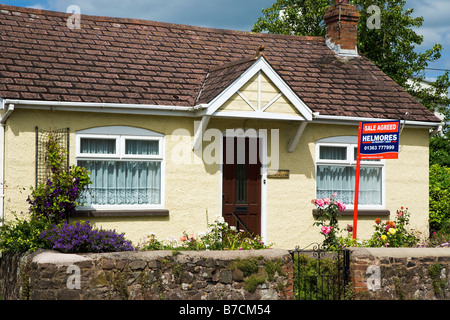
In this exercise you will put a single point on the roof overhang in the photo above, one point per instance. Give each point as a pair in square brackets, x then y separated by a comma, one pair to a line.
[196, 111]
[138, 109]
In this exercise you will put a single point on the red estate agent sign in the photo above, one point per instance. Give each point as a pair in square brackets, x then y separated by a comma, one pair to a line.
[379, 140]
[376, 140]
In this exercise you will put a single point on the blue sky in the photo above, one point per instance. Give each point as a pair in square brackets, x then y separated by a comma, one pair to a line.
[241, 15]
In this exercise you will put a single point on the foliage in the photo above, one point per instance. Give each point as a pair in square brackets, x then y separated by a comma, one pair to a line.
[439, 238]
[438, 283]
[82, 237]
[247, 266]
[51, 205]
[347, 241]
[394, 233]
[219, 236]
[300, 17]
[150, 243]
[392, 47]
[57, 199]
[253, 281]
[328, 210]
[51, 202]
[22, 235]
[439, 196]
[317, 279]
[440, 150]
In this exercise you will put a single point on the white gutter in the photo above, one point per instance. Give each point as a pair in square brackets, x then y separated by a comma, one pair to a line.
[3, 119]
[174, 110]
[318, 118]
[104, 107]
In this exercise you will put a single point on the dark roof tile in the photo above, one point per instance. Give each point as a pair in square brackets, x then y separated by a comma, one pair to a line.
[122, 60]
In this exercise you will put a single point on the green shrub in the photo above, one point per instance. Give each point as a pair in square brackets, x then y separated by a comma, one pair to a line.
[394, 233]
[219, 236]
[51, 205]
[440, 238]
[317, 279]
[22, 235]
[439, 196]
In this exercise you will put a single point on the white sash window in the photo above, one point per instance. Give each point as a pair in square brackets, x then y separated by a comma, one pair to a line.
[336, 171]
[126, 167]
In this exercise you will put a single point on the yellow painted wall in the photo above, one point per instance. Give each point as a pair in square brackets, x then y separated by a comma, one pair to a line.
[20, 169]
[192, 188]
[289, 205]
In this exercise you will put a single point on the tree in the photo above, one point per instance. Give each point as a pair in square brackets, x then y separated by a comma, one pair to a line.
[439, 196]
[297, 17]
[392, 47]
[440, 150]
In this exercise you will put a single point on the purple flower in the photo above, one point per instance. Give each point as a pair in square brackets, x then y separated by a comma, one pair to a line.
[82, 237]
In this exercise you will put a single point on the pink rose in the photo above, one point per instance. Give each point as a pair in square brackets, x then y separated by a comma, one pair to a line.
[326, 201]
[326, 230]
[319, 202]
[341, 206]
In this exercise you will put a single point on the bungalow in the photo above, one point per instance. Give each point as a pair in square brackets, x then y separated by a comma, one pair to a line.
[178, 124]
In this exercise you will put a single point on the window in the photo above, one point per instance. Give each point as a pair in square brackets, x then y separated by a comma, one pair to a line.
[336, 170]
[126, 167]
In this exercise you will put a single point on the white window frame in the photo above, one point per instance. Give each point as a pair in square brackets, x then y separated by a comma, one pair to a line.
[123, 134]
[350, 142]
[122, 144]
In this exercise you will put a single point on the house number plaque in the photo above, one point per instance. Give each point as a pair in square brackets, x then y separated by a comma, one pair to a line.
[280, 174]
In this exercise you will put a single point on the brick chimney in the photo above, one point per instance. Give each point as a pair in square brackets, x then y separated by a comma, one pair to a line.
[341, 20]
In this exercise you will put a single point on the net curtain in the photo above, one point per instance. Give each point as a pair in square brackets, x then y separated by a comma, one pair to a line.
[341, 180]
[122, 182]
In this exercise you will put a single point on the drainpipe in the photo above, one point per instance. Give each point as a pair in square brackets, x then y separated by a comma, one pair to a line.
[5, 117]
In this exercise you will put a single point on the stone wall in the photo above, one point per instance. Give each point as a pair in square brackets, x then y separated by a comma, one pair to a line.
[375, 273]
[401, 273]
[13, 273]
[153, 275]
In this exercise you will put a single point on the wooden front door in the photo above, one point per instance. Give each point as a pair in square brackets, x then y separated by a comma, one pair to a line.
[241, 182]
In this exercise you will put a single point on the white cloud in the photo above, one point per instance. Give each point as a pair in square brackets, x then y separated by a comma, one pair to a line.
[435, 13]
[232, 14]
[435, 29]
[37, 6]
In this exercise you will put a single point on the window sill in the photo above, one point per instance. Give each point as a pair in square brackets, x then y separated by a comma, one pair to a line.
[361, 212]
[123, 213]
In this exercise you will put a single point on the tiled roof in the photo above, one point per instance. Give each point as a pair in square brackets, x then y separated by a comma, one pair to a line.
[220, 77]
[117, 60]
